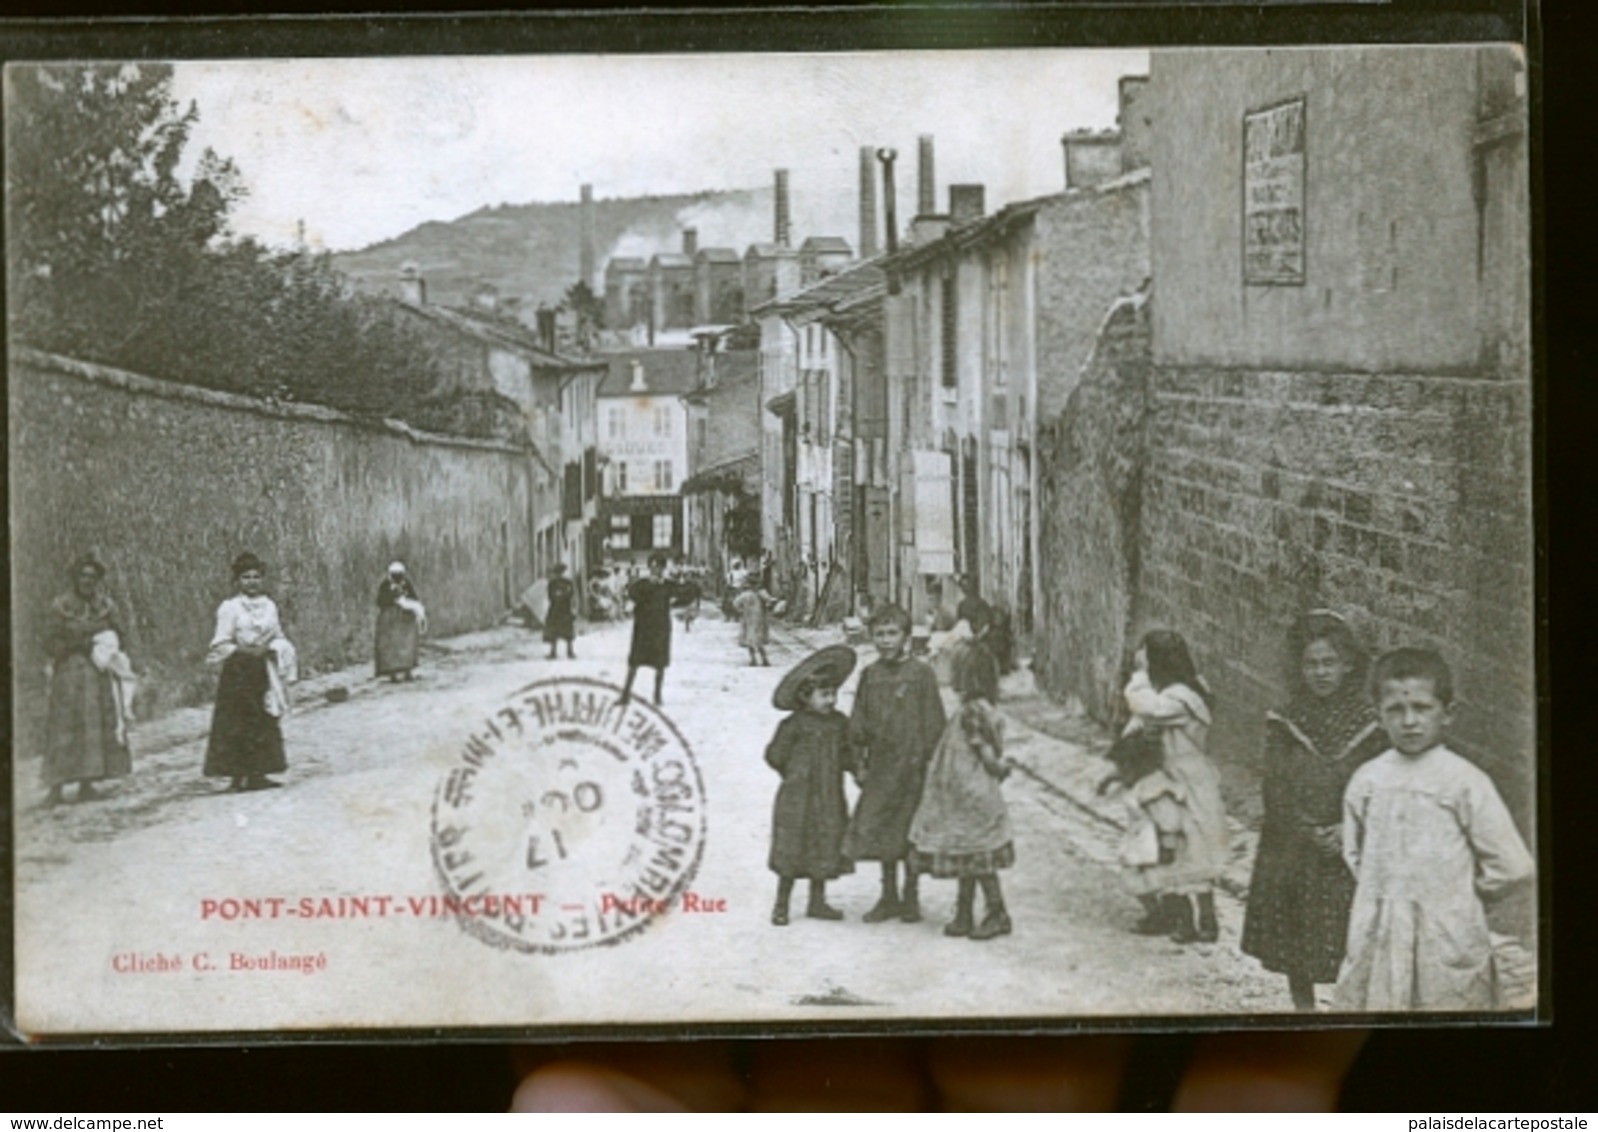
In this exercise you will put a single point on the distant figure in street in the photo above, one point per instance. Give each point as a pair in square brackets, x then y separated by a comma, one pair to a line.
[1299, 898]
[811, 751]
[652, 597]
[1431, 846]
[1167, 696]
[258, 663]
[90, 688]
[962, 826]
[400, 622]
[754, 621]
[601, 598]
[560, 619]
[896, 723]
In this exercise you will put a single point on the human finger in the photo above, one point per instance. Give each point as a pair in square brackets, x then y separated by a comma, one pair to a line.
[1268, 1072]
[646, 1077]
[1028, 1074]
[851, 1075]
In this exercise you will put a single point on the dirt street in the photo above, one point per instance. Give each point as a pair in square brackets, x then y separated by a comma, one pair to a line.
[149, 871]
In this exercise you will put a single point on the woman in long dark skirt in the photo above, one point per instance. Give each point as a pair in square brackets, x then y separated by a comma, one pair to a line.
[560, 621]
[258, 663]
[400, 617]
[1299, 899]
[652, 597]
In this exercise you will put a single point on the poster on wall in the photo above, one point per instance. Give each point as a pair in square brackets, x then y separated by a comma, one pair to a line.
[1068, 731]
[1273, 194]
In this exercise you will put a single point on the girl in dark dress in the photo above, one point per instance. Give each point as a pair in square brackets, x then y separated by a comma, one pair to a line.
[560, 622]
[1299, 900]
[810, 750]
[897, 720]
[82, 739]
[246, 742]
[652, 597]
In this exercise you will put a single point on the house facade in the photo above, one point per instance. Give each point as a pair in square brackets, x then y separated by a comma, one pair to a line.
[643, 444]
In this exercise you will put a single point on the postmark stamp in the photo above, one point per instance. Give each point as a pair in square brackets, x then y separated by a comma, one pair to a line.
[568, 819]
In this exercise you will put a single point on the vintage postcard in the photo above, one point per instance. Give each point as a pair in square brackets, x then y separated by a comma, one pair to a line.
[548, 544]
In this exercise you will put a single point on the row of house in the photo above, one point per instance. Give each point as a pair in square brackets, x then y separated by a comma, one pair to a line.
[1240, 366]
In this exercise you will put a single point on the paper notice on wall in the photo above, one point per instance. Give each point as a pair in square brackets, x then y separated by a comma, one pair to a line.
[1273, 194]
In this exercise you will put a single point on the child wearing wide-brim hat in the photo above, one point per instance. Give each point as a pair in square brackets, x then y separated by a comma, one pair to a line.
[811, 751]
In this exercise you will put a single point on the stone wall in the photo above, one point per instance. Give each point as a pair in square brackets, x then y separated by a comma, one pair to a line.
[168, 483]
[1091, 460]
[1401, 500]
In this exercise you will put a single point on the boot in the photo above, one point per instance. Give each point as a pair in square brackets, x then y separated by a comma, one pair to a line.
[1182, 929]
[1209, 929]
[910, 905]
[997, 921]
[818, 908]
[887, 906]
[779, 910]
[1154, 921]
[962, 924]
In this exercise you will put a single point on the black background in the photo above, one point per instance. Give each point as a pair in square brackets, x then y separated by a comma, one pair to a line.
[1549, 1068]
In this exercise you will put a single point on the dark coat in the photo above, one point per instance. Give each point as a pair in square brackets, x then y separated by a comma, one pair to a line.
[560, 622]
[811, 815]
[897, 720]
[652, 602]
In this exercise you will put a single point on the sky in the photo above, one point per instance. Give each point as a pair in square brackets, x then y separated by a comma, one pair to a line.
[363, 150]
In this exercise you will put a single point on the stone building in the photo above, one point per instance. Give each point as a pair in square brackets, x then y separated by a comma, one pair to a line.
[1339, 407]
[643, 443]
[721, 496]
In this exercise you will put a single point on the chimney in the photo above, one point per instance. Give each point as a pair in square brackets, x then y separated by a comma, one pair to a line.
[966, 203]
[887, 157]
[783, 224]
[413, 288]
[638, 385]
[586, 266]
[690, 242]
[1091, 158]
[868, 204]
[926, 183]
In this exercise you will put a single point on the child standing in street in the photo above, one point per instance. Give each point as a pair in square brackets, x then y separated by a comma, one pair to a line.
[810, 750]
[754, 620]
[1431, 846]
[962, 827]
[896, 723]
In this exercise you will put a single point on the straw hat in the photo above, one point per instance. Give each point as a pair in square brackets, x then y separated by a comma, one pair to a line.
[832, 664]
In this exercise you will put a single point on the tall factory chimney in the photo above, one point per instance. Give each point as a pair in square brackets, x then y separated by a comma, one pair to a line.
[586, 265]
[926, 183]
[784, 225]
[690, 242]
[868, 202]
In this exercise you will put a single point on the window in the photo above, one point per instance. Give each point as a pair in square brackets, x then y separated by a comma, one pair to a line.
[618, 423]
[951, 373]
[662, 532]
[662, 420]
[663, 478]
[621, 478]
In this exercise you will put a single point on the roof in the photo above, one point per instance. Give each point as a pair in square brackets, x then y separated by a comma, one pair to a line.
[737, 373]
[671, 373]
[826, 244]
[767, 251]
[504, 334]
[670, 259]
[823, 296]
[625, 263]
[718, 255]
[734, 471]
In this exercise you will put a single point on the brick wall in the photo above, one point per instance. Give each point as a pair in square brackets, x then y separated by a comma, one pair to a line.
[1398, 499]
[168, 483]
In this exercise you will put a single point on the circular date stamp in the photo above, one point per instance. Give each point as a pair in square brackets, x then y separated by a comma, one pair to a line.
[567, 819]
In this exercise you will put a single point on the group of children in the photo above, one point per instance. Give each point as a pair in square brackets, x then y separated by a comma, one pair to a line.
[929, 799]
[1420, 843]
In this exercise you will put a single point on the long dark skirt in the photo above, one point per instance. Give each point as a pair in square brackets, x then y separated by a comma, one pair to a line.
[245, 739]
[81, 737]
[398, 641]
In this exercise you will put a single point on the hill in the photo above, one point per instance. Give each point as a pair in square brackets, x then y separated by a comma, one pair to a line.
[532, 251]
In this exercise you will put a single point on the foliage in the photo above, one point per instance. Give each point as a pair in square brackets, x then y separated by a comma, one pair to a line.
[587, 306]
[114, 259]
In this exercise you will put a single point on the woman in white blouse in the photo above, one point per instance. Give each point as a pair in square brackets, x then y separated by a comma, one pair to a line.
[258, 664]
